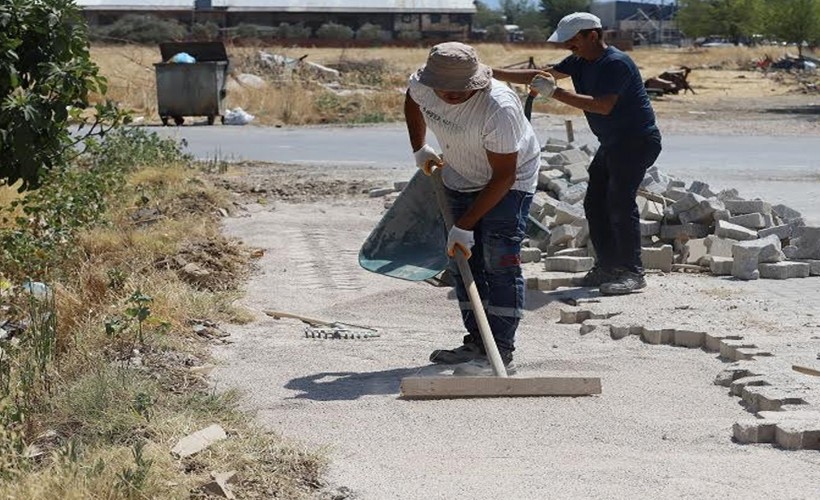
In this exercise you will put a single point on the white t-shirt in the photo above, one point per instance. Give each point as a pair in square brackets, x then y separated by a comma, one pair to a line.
[492, 119]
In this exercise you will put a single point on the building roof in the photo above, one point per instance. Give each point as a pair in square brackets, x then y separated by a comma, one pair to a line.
[352, 6]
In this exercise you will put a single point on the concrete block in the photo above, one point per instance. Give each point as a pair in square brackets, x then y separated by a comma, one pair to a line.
[745, 262]
[557, 186]
[753, 431]
[573, 316]
[721, 215]
[571, 156]
[790, 251]
[675, 194]
[809, 245]
[379, 192]
[582, 238]
[749, 221]
[728, 194]
[684, 231]
[532, 283]
[591, 325]
[769, 248]
[550, 283]
[740, 207]
[783, 231]
[719, 247]
[721, 266]
[198, 441]
[798, 435]
[785, 213]
[701, 188]
[650, 227]
[696, 250]
[554, 160]
[549, 207]
[688, 338]
[566, 213]
[574, 193]
[785, 270]
[574, 252]
[769, 220]
[652, 210]
[725, 229]
[687, 202]
[814, 267]
[563, 234]
[702, 212]
[658, 336]
[657, 258]
[569, 264]
[530, 255]
[589, 150]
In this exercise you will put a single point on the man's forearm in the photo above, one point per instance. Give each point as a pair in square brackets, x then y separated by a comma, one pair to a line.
[523, 76]
[598, 105]
[416, 127]
[493, 192]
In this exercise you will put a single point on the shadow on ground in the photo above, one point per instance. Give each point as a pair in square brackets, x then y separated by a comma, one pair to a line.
[348, 386]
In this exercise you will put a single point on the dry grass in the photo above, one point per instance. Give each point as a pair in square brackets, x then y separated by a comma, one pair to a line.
[103, 403]
[718, 72]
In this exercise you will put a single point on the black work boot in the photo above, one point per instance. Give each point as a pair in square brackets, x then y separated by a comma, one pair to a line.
[623, 283]
[597, 276]
[481, 366]
[462, 354]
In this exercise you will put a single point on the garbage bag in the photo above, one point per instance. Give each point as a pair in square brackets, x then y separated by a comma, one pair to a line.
[183, 58]
[238, 116]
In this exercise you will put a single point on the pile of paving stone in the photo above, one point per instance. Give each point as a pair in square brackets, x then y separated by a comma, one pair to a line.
[686, 228]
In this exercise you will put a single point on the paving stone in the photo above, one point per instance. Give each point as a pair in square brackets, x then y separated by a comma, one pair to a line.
[688, 338]
[550, 283]
[591, 325]
[809, 245]
[571, 156]
[619, 329]
[769, 248]
[712, 341]
[783, 231]
[566, 213]
[702, 212]
[728, 194]
[530, 255]
[721, 215]
[650, 227]
[740, 207]
[684, 231]
[553, 159]
[379, 192]
[572, 252]
[785, 270]
[563, 234]
[558, 186]
[701, 188]
[749, 221]
[589, 150]
[726, 229]
[721, 266]
[569, 264]
[719, 247]
[786, 213]
[814, 267]
[675, 194]
[798, 435]
[746, 260]
[790, 251]
[582, 238]
[658, 336]
[574, 315]
[753, 431]
[573, 193]
[658, 258]
[652, 211]
[696, 250]
[198, 441]
[577, 172]
[686, 202]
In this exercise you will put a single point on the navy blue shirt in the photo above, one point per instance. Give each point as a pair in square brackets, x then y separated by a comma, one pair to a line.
[612, 73]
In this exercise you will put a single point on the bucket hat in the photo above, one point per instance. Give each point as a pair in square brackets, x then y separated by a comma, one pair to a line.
[454, 66]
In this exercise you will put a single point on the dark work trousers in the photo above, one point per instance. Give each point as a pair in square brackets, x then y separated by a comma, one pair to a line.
[496, 265]
[615, 175]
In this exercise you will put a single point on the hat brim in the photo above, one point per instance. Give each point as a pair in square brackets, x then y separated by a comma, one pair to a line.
[478, 80]
[558, 38]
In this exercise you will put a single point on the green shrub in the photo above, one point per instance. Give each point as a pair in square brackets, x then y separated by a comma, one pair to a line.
[370, 32]
[141, 28]
[333, 31]
[205, 31]
[534, 35]
[409, 35]
[293, 31]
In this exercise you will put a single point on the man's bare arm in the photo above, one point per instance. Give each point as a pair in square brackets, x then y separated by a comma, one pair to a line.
[524, 76]
[504, 167]
[416, 126]
[599, 105]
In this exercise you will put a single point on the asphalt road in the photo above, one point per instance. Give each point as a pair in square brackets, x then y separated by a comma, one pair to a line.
[776, 169]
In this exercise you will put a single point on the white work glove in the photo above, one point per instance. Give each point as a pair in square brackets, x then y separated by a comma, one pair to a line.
[427, 158]
[461, 240]
[544, 84]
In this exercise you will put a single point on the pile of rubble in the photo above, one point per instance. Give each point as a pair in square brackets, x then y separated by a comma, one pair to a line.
[683, 228]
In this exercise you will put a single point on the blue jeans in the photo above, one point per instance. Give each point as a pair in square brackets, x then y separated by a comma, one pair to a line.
[615, 174]
[495, 264]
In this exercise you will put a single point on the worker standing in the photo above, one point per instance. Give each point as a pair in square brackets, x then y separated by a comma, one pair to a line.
[610, 91]
[490, 167]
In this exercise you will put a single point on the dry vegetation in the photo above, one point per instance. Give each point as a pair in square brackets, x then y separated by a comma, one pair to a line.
[110, 405]
[377, 77]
